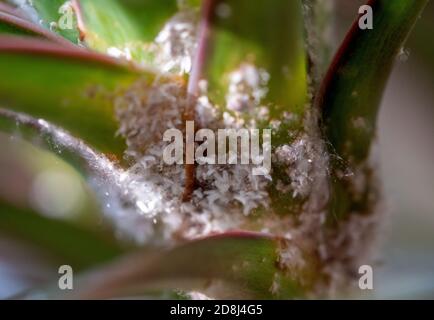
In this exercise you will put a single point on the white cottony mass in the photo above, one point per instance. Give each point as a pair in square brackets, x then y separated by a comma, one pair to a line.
[229, 151]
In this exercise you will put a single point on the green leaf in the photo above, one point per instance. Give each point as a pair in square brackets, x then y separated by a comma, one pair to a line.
[267, 34]
[106, 25]
[149, 16]
[124, 25]
[12, 24]
[49, 12]
[233, 265]
[127, 25]
[352, 90]
[350, 98]
[64, 241]
[72, 89]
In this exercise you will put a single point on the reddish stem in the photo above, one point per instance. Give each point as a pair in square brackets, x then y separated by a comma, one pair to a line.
[193, 86]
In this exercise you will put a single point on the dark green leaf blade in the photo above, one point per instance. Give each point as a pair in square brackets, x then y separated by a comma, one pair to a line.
[352, 90]
[350, 97]
[69, 88]
[240, 265]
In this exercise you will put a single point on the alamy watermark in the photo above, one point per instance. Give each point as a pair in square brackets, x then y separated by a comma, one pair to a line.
[366, 280]
[366, 19]
[228, 146]
[67, 13]
[66, 280]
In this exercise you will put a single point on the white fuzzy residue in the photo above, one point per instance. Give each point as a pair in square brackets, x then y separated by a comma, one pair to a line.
[319, 35]
[298, 163]
[175, 45]
[124, 53]
[225, 195]
[247, 87]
